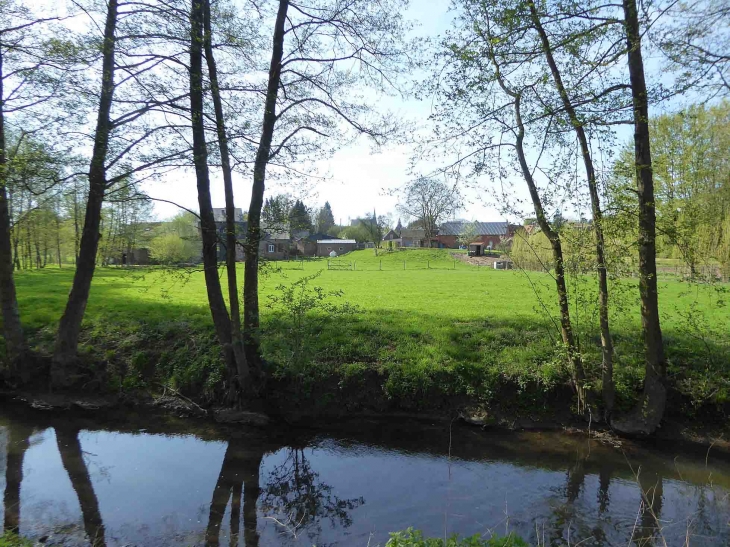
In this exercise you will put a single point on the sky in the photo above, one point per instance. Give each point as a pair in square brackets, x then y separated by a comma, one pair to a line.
[357, 181]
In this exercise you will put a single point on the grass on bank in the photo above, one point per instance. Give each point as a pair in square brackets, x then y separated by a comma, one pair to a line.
[434, 330]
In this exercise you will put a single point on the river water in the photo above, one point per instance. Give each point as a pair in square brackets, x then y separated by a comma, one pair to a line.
[142, 480]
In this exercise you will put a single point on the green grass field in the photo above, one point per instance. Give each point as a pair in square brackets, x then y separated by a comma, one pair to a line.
[436, 327]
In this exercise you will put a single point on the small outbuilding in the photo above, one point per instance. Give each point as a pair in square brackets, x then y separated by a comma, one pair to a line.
[339, 246]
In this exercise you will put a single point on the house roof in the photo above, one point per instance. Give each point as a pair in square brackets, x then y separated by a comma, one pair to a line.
[336, 241]
[456, 227]
[320, 236]
[219, 214]
[413, 232]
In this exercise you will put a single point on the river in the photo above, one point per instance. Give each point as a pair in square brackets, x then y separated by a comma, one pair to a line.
[150, 480]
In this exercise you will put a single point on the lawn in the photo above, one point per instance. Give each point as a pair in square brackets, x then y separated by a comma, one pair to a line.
[426, 326]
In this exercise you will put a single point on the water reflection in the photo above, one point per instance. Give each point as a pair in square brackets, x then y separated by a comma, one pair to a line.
[78, 482]
[18, 442]
[73, 462]
[239, 472]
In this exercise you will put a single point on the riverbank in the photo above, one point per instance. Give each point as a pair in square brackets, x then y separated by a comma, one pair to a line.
[413, 332]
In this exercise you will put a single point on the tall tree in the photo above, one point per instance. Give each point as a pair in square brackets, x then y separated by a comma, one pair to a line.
[648, 413]
[239, 377]
[130, 137]
[491, 86]
[209, 231]
[29, 75]
[591, 179]
[321, 51]
[325, 218]
[70, 323]
[299, 218]
[429, 202]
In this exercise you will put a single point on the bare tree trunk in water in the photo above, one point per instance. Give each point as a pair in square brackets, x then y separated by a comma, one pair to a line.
[217, 304]
[251, 273]
[239, 379]
[18, 444]
[12, 329]
[73, 462]
[608, 390]
[647, 415]
[69, 327]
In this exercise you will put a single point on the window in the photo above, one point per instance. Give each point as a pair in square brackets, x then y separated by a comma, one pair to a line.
[329, 248]
[340, 248]
[271, 248]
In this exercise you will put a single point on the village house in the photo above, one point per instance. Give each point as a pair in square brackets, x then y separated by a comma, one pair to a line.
[339, 246]
[275, 244]
[484, 236]
[305, 244]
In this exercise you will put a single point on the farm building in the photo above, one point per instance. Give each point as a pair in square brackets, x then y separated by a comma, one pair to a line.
[306, 245]
[485, 235]
[339, 246]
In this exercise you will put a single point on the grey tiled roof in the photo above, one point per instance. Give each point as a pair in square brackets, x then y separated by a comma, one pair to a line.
[455, 228]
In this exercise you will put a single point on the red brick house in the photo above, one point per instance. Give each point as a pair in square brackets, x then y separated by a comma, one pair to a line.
[491, 235]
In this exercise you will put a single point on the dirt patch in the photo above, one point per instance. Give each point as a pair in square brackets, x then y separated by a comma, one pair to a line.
[477, 260]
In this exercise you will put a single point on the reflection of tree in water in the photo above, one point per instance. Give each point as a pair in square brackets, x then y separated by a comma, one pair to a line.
[294, 495]
[73, 462]
[18, 444]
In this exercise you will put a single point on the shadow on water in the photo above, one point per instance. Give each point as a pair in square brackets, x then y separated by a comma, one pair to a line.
[150, 481]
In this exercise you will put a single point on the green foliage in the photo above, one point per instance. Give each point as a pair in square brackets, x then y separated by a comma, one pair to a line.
[176, 241]
[299, 217]
[414, 538]
[325, 219]
[9, 539]
[692, 189]
[302, 310]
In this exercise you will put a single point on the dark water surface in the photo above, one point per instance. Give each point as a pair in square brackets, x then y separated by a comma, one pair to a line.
[153, 481]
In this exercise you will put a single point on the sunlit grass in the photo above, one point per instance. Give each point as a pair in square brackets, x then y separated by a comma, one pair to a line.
[435, 324]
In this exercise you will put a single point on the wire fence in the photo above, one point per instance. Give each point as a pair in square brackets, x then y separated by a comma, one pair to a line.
[388, 264]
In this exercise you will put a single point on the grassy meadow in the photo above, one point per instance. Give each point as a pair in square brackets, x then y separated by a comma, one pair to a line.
[420, 334]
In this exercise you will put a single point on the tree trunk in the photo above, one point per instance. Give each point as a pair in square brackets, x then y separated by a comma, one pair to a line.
[58, 239]
[648, 413]
[253, 237]
[238, 376]
[209, 234]
[12, 329]
[18, 444]
[566, 328]
[69, 327]
[73, 462]
[608, 390]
